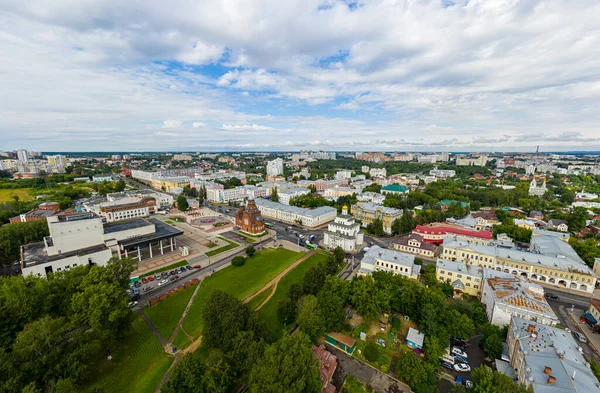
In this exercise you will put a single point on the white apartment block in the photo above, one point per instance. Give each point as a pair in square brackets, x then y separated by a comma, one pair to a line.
[343, 175]
[310, 218]
[337, 192]
[442, 173]
[275, 167]
[378, 172]
[371, 197]
[288, 193]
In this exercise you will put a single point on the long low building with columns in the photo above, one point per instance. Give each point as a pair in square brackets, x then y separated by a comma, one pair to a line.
[83, 239]
[552, 264]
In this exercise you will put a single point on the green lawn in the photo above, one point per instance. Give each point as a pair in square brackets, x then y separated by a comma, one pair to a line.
[222, 249]
[166, 313]
[268, 312]
[239, 281]
[354, 385]
[22, 193]
[385, 356]
[165, 268]
[139, 362]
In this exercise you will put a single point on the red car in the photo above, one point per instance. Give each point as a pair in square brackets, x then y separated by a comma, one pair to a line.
[197, 267]
[144, 280]
[150, 278]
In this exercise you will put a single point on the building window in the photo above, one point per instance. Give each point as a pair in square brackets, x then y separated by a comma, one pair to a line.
[475, 286]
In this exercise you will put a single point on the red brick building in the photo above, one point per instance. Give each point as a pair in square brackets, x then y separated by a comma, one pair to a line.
[249, 219]
[327, 366]
[44, 210]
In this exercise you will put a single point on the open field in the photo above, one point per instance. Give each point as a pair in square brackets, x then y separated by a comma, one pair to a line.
[139, 362]
[166, 313]
[268, 313]
[239, 281]
[228, 247]
[7, 194]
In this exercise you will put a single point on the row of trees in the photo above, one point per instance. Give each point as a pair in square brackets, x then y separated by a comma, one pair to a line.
[52, 329]
[14, 235]
[239, 353]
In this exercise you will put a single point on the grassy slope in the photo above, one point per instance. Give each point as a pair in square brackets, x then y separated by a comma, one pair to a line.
[268, 312]
[239, 281]
[166, 314]
[22, 193]
[138, 364]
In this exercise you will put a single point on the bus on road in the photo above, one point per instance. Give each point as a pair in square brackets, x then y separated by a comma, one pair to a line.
[269, 225]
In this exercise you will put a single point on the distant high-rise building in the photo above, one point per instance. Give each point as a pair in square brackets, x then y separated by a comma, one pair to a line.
[275, 167]
[22, 155]
[57, 160]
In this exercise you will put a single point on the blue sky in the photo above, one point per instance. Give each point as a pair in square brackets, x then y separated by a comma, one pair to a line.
[321, 74]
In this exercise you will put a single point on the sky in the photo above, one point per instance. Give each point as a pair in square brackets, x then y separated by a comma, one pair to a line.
[260, 75]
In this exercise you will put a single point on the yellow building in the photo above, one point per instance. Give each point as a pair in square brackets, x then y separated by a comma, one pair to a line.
[168, 183]
[550, 266]
[367, 212]
[463, 278]
[595, 309]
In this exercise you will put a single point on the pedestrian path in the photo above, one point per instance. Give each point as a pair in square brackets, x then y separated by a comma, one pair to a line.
[160, 337]
[277, 278]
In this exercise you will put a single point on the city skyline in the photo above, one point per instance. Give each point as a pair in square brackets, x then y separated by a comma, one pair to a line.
[472, 76]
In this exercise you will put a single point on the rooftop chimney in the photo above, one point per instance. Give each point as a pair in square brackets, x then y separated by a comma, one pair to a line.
[551, 380]
[547, 370]
[574, 372]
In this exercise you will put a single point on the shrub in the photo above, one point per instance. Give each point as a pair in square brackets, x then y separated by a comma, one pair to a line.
[238, 261]
[372, 351]
[250, 251]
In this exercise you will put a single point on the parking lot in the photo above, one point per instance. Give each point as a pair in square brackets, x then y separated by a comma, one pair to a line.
[476, 357]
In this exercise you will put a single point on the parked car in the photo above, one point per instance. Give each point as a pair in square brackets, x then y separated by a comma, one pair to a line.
[460, 359]
[580, 337]
[462, 368]
[446, 364]
[197, 267]
[188, 267]
[458, 344]
[144, 280]
[551, 296]
[150, 278]
[457, 351]
[131, 304]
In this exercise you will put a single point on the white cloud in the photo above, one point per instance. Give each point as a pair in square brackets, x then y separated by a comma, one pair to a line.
[254, 127]
[82, 72]
[171, 124]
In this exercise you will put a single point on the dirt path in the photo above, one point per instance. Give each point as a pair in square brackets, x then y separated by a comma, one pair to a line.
[187, 308]
[268, 297]
[160, 337]
[276, 279]
[193, 346]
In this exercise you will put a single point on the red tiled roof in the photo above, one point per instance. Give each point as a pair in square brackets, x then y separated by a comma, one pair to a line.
[447, 229]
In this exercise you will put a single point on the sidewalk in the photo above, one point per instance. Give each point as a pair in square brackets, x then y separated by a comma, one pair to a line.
[593, 339]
